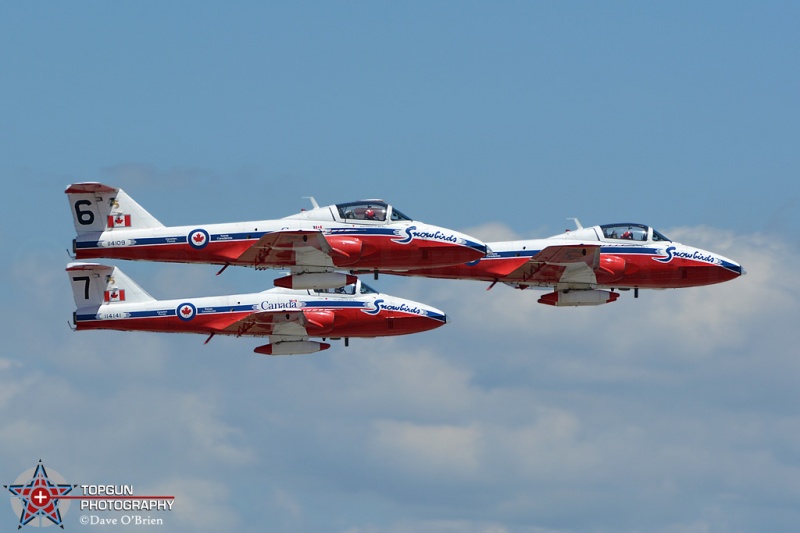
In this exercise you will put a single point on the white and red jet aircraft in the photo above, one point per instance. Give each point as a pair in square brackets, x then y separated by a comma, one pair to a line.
[368, 235]
[585, 266]
[108, 299]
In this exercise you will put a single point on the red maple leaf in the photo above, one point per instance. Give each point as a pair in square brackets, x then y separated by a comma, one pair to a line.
[119, 220]
[199, 237]
[186, 311]
[114, 294]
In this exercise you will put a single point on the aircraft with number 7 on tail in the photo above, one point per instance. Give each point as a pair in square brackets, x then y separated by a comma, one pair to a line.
[588, 265]
[368, 235]
[106, 298]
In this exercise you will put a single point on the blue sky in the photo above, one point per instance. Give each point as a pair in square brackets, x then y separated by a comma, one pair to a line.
[676, 412]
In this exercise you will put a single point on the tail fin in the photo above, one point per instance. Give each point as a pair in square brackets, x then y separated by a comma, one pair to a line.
[97, 207]
[94, 285]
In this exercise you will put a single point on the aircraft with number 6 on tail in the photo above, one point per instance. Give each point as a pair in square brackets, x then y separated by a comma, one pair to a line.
[587, 266]
[367, 235]
[106, 298]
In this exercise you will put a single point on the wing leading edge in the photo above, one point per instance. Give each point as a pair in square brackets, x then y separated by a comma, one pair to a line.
[559, 265]
[282, 248]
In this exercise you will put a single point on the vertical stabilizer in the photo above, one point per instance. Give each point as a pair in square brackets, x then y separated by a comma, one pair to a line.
[94, 285]
[96, 207]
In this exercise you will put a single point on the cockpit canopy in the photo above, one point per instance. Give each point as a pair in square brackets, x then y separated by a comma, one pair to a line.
[616, 233]
[352, 289]
[631, 232]
[369, 210]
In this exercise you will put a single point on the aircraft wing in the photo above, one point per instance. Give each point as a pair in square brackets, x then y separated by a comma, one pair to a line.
[289, 323]
[567, 264]
[290, 248]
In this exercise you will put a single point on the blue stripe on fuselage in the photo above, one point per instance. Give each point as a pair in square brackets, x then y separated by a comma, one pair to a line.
[628, 250]
[247, 236]
[172, 239]
[222, 309]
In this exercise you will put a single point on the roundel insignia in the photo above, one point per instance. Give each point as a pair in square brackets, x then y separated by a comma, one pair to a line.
[198, 238]
[186, 311]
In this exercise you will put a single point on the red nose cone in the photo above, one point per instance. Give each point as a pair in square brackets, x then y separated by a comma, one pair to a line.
[401, 325]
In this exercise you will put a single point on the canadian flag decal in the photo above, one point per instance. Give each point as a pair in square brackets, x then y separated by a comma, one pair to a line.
[114, 295]
[119, 221]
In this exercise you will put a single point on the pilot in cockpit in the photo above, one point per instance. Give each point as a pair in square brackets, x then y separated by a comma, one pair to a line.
[375, 213]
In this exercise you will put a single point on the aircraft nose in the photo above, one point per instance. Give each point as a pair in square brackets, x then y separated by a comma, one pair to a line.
[478, 249]
[425, 320]
[443, 318]
[726, 270]
[440, 318]
[443, 247]
[481, 247]
[733, 267]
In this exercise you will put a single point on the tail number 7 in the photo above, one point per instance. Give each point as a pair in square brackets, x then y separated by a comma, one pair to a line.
[85, 279]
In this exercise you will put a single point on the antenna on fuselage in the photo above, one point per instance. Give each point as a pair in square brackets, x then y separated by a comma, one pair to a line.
[577, 222]
[313, 201]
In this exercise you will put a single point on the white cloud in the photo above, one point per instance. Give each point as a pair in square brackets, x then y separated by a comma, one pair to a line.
[426, 450]
[200, 505]
[402, 382]
[441, 526]
[493, 231]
